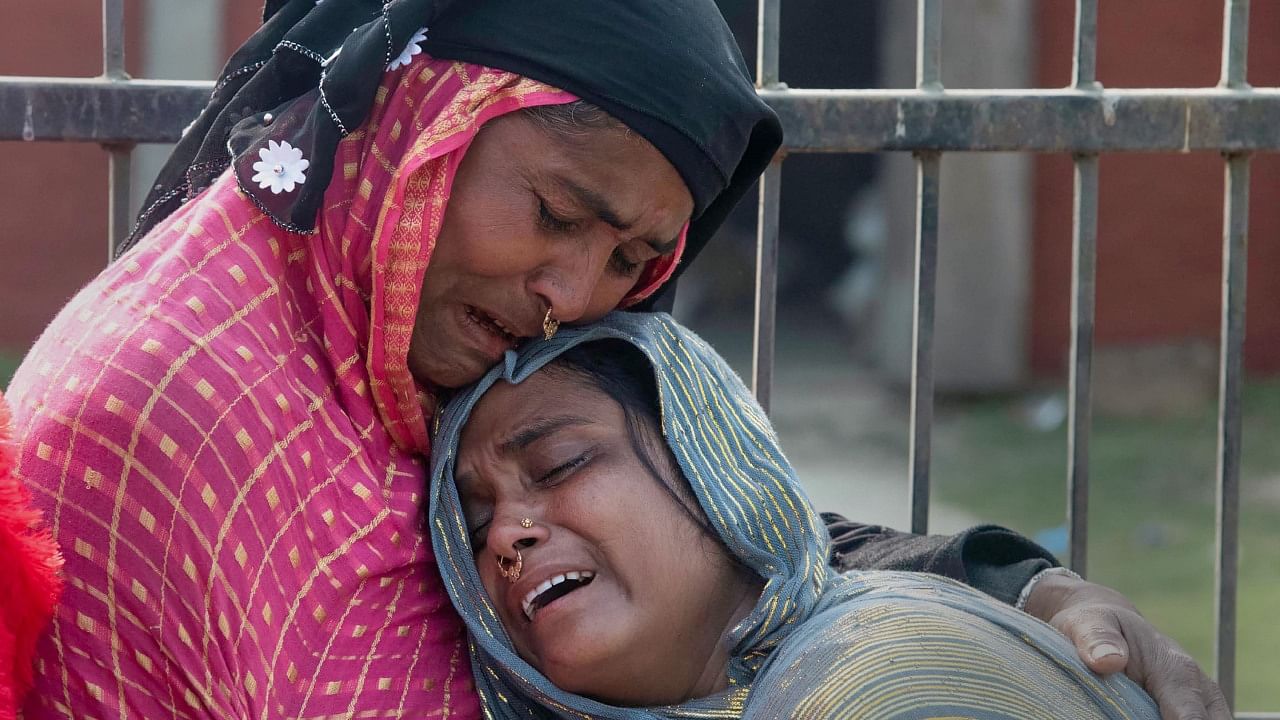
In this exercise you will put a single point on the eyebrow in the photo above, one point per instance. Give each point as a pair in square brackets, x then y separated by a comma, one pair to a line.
[599, 206]
[539, 429]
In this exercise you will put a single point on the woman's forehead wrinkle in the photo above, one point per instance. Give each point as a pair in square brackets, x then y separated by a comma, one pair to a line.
[604, 210]
[538, 429]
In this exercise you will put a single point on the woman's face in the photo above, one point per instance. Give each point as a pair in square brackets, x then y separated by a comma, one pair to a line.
[539, 219]
[643, 596]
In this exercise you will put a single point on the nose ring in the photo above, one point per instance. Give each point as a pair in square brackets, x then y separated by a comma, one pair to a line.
[549, 325]
[526, 523]
[513, 573]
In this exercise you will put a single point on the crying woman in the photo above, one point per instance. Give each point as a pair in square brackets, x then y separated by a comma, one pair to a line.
[619, 529]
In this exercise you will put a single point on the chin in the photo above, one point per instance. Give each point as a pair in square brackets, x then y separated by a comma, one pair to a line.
[574, 680]
[446, 375]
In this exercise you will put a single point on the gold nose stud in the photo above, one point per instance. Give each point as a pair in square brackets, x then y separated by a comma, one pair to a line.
[526, 523]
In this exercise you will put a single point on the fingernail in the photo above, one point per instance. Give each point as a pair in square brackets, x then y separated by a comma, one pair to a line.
[1104, 650]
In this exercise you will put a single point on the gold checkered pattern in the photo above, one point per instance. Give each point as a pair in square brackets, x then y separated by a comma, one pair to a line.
[218, 432]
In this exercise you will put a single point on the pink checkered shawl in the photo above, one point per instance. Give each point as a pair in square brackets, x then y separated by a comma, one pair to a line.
[225, 439]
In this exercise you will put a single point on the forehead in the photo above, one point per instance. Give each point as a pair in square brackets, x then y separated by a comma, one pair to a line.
[506, 408]
[609, 160]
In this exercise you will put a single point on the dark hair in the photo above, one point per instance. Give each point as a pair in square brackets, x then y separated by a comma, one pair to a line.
[619, 370]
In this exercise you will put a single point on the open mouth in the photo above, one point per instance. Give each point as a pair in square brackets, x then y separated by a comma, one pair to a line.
[552, 589]
[491, 324]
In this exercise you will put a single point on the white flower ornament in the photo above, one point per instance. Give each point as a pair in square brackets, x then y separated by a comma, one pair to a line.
[413, 48]
[281, 167]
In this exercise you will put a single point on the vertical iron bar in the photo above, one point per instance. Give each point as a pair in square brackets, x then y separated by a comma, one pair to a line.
[762, 347]
[767, 31]
[762, 336]
[113, 39]
[1230, 381]
[1084, 243]
[1235, 44]
[928, 184]
[1235, 234]
[1085, 66]
[928, 45]
[1084, 240]
[119, 157]
[119, 160]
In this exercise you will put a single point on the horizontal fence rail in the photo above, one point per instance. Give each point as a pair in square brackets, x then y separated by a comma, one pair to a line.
[98, 110]
[1069, 120]
[1029, 120]
[1084, 120]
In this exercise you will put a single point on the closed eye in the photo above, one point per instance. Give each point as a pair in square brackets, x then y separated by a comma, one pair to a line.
[550, 222]
[478, 535]
[562, 471]
[618, 263]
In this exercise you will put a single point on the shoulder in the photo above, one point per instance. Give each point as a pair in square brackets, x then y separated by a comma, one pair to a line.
[903, 645]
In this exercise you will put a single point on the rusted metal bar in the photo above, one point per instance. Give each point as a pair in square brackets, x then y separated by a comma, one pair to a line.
[1212, 119]
[1235, 245]
[113, 39]
[928, 187]
[98, 110]
[928, 45]
[1084, 71]
[763, 332]
[119, 217]
[119, 155]
[767, 33]
[1084, 242]
[1230, 379]
[1029, 120]
[764, 325]
[1235, 44]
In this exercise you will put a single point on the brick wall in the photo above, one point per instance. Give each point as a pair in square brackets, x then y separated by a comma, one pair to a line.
[1159, 216]
[53, 203]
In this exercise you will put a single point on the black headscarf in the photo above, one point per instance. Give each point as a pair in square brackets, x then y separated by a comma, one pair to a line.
[668, 69]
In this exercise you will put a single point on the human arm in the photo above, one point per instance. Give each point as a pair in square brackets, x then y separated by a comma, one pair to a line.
[997, 561]
[1112, 636]
[1002, 563]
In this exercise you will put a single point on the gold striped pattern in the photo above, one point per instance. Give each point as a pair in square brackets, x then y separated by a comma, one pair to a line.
[817, 645]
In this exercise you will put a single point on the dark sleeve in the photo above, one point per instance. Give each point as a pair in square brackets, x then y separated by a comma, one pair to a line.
[997, 561]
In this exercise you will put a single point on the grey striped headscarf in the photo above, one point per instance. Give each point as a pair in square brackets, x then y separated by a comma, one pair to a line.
[817, 644]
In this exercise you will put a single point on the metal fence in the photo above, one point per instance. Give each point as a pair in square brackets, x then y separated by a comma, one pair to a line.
[1084, 119]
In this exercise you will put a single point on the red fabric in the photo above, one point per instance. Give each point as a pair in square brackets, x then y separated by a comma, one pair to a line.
[29, 584]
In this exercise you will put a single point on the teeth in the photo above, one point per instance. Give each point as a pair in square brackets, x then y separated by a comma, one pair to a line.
[545, 585]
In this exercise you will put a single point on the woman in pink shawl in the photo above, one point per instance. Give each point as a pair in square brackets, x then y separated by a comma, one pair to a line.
[226, 430]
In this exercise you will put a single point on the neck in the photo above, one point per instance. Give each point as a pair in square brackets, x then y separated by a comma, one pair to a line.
[715, 676]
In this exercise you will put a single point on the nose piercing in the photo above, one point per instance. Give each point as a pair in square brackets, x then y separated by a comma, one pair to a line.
[526, 523]
[512, 574]
[549, 325]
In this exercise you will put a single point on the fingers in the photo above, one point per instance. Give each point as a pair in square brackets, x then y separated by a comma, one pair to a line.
[1111, 636]
[1173, 679]
[1180, 688]
[1096, 632]
[1215, 701]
